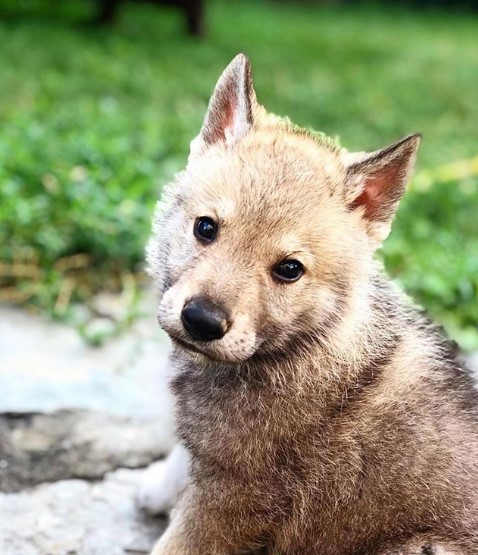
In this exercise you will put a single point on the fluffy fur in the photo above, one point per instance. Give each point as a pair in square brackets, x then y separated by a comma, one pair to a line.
[332, 418]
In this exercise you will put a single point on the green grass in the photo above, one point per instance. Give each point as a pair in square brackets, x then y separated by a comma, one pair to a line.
[93, 121]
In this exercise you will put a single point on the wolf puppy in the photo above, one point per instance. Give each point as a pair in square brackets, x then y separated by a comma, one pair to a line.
[321, 413]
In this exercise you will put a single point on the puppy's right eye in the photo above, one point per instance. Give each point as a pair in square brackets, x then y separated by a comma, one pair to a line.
[205, 229]
[288, 271]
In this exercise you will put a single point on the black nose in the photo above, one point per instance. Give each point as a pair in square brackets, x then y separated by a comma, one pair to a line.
[204, 320]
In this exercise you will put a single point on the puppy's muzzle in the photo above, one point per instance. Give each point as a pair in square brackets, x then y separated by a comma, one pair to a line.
[203, 320]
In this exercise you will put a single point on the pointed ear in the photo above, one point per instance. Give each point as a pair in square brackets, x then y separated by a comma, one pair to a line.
[230, 112]
[375, 182]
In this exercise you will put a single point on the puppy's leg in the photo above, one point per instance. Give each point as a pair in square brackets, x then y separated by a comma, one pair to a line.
[175, 539]
[164, 482]
[195, 529]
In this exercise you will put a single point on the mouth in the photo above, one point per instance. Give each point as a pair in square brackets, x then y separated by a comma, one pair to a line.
[190, 347]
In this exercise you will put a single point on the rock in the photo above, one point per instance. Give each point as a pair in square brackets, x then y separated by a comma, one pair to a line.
[75, 517]
[36, 448]
[46, 366]
[68, 410]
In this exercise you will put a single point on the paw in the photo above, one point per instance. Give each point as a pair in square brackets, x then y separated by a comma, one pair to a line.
[163, 483]
[157, 492]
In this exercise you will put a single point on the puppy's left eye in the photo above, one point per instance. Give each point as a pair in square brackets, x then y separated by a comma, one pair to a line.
[288, 270]
[205, 229]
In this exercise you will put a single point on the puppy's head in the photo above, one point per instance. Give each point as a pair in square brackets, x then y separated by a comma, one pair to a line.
[267, 236]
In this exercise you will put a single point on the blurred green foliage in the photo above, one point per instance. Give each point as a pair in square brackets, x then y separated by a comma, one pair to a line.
[92, 121]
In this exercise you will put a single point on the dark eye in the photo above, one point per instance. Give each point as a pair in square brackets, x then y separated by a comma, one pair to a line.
[288, 270]
[205, 229]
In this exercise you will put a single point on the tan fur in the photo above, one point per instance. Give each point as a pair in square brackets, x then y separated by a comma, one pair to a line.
[331, 419]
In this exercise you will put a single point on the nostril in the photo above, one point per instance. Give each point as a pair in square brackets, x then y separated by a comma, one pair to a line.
[203, 320]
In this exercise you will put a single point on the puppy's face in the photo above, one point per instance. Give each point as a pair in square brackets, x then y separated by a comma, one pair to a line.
[268, 234]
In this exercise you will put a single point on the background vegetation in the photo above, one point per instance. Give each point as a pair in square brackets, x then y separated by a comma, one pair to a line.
[93, 121]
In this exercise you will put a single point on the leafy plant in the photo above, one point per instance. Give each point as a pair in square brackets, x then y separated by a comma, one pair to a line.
[93, 120]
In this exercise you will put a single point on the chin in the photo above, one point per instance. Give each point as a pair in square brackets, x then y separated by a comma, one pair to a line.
[202, 355]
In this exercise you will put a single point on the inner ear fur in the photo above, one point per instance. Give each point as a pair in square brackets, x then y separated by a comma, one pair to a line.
[230, 112]
[376, 181]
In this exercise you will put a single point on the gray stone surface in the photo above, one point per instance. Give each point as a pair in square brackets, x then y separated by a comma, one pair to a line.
[76, 517]
[46, 366]
[38, 448]
[72, 411]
